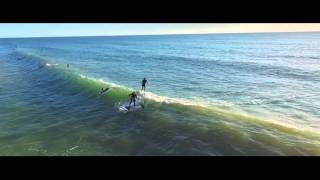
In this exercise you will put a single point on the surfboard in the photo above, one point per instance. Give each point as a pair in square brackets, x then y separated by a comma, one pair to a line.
[131, 107]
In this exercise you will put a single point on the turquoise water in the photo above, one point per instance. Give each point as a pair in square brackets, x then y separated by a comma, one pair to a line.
[224, 94]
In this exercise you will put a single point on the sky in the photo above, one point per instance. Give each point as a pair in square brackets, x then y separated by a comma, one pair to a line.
[9, 30]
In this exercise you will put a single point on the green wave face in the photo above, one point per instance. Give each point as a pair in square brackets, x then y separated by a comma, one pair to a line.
[183, 126]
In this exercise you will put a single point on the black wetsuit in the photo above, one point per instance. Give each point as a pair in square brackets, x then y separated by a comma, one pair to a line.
[133, 97]
[143, 84]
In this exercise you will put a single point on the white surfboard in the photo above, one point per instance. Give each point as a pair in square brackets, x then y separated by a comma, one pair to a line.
[131, 107]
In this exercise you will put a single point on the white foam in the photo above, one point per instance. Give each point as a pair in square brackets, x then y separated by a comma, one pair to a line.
[164, 99]
[284, 122]
[102, 81]
[111, 84]
[47, 64]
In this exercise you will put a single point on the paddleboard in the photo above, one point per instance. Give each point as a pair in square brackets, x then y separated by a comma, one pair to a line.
[131, 107]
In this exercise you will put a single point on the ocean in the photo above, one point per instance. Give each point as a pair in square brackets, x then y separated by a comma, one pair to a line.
[208, 95]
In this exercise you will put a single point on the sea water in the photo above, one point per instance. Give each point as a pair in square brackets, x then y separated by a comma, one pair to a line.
[212, 94]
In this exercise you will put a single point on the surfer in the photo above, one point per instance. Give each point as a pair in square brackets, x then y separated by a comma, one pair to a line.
[41, 66]
[104, 90]
[67, 65]
[143, 84]
[133, 97]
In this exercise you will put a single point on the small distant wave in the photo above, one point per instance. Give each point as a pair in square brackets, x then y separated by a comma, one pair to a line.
[291, 56]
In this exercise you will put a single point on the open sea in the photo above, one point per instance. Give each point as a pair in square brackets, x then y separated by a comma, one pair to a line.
[213, 94]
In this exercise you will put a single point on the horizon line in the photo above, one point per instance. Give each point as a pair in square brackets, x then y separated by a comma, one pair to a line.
[172, 34]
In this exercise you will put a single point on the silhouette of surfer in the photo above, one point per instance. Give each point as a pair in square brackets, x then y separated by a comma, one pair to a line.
[143, 84]
[41, 66]
[133, 97]
[104, 90]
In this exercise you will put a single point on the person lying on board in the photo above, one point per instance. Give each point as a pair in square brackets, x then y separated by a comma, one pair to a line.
[104, 90]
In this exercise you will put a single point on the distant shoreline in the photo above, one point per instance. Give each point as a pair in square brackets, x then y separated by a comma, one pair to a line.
[158, 35]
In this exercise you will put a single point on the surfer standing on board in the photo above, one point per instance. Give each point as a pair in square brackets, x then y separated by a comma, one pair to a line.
[133, 97]
[143, 84]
